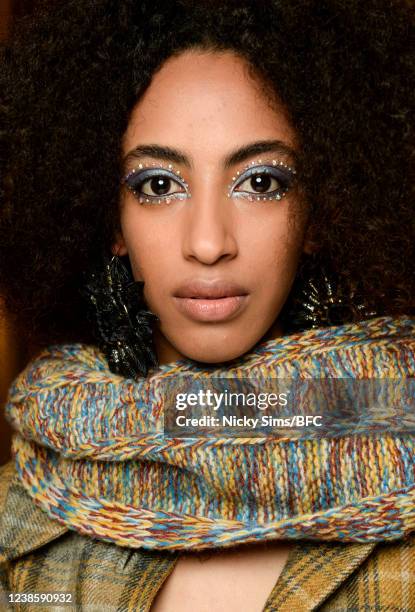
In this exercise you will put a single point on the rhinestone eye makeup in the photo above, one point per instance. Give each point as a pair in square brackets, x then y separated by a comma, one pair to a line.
[258, 181]
[262, 181]
[155, 183]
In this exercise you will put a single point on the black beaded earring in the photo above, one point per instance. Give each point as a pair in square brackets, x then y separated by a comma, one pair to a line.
[122, 322]
[317, 300]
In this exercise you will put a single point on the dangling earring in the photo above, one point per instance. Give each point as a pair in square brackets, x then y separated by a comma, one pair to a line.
[123, 324]
[317, 300]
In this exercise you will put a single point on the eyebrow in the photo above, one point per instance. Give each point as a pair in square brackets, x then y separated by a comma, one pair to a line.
[235, 157]
[258, 148]
[157, 152]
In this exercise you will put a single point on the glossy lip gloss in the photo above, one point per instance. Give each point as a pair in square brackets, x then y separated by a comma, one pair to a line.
[210, 300]
[215, 309]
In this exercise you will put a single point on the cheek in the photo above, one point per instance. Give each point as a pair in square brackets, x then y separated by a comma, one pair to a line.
[150, 242]
[273, 261]
[272, 244]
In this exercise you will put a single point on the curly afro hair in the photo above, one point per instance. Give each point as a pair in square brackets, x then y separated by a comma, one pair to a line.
[71, 76]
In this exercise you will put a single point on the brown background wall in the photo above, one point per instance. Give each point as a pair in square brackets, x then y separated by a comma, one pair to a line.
[11, 355]
[5, 10]
[7, 365]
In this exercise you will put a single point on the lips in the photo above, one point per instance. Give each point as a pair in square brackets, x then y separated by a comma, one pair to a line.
[217, 300]
[210, 289]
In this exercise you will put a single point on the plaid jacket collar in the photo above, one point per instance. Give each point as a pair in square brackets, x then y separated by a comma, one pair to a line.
[312, 573]
[23, 526]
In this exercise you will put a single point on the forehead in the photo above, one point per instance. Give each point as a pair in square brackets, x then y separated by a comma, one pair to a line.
[206, 103]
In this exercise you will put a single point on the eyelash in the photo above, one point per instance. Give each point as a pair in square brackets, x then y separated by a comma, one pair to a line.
[279, 171]
[137, 178]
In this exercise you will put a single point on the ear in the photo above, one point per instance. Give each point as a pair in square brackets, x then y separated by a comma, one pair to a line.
[119, 247]
[310, 245]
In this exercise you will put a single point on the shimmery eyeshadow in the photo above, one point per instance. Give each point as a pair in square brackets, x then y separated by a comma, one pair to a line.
[134, 179]
[279, 170]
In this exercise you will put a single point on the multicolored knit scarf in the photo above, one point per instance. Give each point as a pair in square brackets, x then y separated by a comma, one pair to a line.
[91, 451]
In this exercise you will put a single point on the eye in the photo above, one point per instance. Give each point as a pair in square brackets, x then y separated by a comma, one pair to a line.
[259, 183]
[263, 182]
[156, 185]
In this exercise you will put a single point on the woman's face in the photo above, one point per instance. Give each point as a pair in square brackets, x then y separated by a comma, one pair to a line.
[210, 213]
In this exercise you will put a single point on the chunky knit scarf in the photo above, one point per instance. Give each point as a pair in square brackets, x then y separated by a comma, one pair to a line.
[90, 450]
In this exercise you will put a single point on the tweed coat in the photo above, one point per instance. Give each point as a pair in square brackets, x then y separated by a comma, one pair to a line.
[38, 555]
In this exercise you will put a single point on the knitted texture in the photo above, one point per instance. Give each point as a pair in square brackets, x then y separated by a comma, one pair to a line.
[90, 450]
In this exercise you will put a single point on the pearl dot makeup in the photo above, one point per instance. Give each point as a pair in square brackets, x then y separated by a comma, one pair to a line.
[156, 183]
[262, 181]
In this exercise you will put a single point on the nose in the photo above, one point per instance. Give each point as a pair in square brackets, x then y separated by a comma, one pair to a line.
[209, 232]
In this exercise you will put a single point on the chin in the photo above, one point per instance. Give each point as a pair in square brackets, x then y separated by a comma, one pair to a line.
[217, 352]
